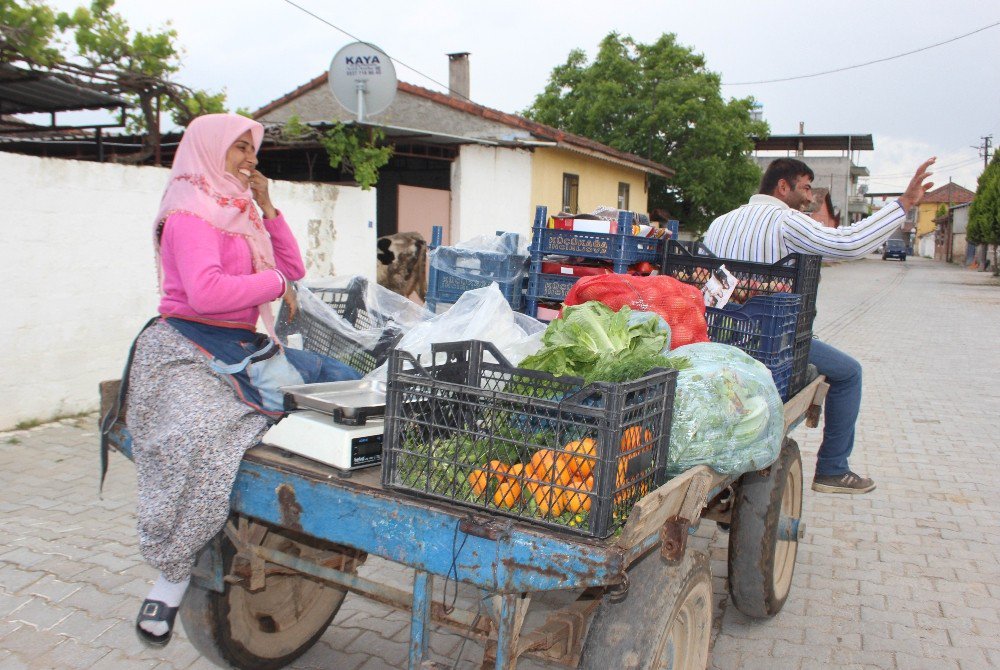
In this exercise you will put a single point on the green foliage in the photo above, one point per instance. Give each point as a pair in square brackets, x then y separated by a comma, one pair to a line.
[28, 31]
[358, 149]
[984, 213]
[660, 101]
[106, 53]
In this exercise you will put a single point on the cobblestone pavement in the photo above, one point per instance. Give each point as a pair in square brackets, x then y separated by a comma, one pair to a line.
[906, 577]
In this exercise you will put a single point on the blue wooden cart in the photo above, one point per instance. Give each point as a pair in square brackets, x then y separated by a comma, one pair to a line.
[269, 585]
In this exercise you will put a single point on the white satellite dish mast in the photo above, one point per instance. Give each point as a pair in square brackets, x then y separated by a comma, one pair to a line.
[362, 79]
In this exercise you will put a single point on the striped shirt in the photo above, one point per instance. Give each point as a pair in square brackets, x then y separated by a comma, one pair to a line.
[765, 230]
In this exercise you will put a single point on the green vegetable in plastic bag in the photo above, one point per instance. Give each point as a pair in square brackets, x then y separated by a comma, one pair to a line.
[727, 412]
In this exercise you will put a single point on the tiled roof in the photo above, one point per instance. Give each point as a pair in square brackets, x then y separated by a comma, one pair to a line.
[950, 193]
[538, 129]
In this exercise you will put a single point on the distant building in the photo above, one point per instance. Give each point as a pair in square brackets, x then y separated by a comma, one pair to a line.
[950, 245]
[926, 229]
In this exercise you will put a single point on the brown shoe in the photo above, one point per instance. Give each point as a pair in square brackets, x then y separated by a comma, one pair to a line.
[845, 483]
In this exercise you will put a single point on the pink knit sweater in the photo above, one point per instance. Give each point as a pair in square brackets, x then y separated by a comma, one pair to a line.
[208, 274]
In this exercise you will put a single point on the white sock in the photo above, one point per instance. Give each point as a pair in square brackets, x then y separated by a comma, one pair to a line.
[169, 593]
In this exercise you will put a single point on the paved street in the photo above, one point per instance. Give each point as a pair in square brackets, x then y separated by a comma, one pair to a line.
[906, 577]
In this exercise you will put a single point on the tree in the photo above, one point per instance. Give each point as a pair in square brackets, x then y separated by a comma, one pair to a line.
[660, 101]
[106, 54]
[984, 213]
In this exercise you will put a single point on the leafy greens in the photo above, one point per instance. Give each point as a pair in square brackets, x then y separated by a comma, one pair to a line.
[594, 342]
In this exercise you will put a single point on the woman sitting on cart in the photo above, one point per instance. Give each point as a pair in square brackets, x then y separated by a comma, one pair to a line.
[202, 384]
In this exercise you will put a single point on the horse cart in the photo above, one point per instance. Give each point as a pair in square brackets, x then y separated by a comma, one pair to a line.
[271, 583]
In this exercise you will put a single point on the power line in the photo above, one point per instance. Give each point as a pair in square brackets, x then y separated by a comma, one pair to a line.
[871, 62]
[934, 168]
[358, 39]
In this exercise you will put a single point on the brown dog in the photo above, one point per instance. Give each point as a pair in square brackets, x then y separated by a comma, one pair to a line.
[402, 264]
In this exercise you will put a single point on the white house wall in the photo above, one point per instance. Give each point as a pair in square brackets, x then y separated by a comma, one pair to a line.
[77, 260]
[490, 191]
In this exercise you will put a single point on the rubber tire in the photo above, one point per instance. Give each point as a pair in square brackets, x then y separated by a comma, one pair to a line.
[634, 633]
[760, 572]
[218, 624]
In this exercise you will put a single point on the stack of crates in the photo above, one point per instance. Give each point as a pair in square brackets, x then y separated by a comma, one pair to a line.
[445, 285]
[621, 249]
[794, 274]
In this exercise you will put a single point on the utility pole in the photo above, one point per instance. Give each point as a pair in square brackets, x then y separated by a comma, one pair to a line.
[984, 149]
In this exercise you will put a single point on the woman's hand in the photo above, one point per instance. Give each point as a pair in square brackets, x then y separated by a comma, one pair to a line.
[258, 187]
[291, 301]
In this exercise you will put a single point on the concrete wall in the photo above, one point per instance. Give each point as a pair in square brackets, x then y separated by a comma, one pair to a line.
[490, 191]
[598, 181]
[79, 277]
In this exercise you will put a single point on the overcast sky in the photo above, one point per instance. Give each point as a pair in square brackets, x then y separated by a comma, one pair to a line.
[936, 102]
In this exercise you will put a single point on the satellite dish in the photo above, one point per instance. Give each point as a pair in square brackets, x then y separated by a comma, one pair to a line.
[362, 79]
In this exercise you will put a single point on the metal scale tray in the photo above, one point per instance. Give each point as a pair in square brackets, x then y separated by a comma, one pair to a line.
[350, 402]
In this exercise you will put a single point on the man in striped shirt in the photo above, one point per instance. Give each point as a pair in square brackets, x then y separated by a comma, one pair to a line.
[773, 225]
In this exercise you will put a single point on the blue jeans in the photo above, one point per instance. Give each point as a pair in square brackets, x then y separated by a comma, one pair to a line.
[843, 402]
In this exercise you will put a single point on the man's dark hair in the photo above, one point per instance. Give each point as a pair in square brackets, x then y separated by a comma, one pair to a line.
[788, 169]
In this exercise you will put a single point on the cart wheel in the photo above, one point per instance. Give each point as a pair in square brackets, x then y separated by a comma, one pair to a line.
[664, 620]
[764, 536]
[272, 627]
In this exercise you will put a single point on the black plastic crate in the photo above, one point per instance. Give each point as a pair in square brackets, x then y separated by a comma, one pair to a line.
[471, 429]
[320, 337]
[693, 263]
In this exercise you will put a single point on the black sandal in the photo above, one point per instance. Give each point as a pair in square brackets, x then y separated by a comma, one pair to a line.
[154, 610]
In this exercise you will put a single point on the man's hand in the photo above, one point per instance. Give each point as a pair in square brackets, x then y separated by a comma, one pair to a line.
[916, 190]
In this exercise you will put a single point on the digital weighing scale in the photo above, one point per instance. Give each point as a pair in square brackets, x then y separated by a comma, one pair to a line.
[336, 423]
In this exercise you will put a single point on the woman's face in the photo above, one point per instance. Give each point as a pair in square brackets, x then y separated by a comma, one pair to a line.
[241, 159]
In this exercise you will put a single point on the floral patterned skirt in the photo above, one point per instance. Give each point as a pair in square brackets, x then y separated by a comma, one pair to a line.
[189, 433]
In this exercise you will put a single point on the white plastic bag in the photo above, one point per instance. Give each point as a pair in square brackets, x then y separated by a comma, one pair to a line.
[480, 314]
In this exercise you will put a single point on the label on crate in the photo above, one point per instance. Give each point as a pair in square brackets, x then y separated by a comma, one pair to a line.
[578, 244]
[719, 288]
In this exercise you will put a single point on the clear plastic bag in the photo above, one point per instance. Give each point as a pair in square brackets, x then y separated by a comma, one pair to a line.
[727, 412]
[480, 314]
[350, 319]
[501, 258]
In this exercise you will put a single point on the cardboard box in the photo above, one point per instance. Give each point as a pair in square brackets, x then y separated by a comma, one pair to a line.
[595, 226]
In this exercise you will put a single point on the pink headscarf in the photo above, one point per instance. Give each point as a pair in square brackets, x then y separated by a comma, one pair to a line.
[200, 185]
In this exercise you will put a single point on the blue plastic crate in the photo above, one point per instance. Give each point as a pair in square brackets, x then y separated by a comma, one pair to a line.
[450, 288]
[623, 250]
[447, 287]
[764, 328]
[551, 287]
[782, 376]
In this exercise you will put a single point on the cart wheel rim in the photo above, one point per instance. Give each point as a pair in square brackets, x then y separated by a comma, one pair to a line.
[290, 609]
[785, 550]
[685, 644]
